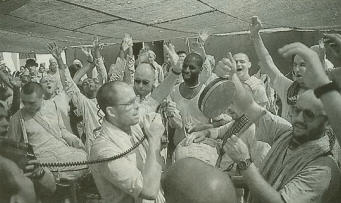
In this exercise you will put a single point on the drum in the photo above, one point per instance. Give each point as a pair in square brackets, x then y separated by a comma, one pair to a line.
[216, 97]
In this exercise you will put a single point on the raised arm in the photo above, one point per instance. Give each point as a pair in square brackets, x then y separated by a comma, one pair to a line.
[164, 89]
[129, 70]
[268, 66]
[57, 54]
[315, 77]
[152, 169]
[88, 66]
[102, 72]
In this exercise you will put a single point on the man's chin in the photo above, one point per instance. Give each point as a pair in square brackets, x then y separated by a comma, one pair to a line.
[298, 132]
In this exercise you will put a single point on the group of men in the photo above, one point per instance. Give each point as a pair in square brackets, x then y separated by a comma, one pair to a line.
[133, 106]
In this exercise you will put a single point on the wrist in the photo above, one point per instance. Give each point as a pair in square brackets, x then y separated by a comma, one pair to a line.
[244, 164]
[155, 144]
[247, 172]
[321, 81]
[325, 88]
[38, 175]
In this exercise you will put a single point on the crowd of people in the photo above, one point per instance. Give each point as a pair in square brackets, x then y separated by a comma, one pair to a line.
[147, 114]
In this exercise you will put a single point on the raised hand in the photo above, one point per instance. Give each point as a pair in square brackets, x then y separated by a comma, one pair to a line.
[55, 50]
[143, 56]
[153, 126]
[203, 37]
[314, 75]
[226, 67]
[87, 52]
[127, 42]
[255, 26]
[197, 46]
[97, 47]
[333, 42]
[174, 58]
[321, 51]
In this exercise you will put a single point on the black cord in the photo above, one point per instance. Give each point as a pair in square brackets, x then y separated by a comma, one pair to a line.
[80, 163]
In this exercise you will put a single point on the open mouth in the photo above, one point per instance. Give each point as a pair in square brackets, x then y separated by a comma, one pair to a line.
[239, 69]
[299, 126]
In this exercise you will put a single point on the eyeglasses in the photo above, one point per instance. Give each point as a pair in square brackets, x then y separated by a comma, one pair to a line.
[144, 82]
[308, 115]
[129, 104]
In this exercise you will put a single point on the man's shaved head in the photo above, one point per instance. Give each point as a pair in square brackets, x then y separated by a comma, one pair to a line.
[146, 70]
[243, 55]
[144, 79]
[109, 94]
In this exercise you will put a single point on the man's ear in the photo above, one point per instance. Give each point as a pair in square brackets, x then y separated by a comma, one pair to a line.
[249, 65]
[110, 111]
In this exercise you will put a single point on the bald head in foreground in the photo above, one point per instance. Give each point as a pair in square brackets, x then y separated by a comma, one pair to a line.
[190, 180]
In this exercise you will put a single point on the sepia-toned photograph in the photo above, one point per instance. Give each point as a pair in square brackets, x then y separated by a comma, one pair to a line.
[170, 101]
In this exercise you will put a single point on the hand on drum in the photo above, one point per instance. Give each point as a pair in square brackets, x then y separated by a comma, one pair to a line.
[236, 149]
[196, 137]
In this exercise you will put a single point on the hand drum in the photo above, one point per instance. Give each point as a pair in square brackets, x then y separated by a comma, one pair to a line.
[216, 97]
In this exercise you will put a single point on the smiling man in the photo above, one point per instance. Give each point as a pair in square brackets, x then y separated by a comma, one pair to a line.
[299, 166]
[287, 90]
[256, 85]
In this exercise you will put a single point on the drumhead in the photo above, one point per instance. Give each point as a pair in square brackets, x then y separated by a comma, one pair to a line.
[216, 97]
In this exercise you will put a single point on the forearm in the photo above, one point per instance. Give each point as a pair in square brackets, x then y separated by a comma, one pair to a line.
[81, 72]
[331, 103]
[101, 70]
[152, 171]
[164, 89]
[259, 188]
[244, 101]
[130, 52]
[62, 73]
[121, 53]
[129, 70]
[268, 66]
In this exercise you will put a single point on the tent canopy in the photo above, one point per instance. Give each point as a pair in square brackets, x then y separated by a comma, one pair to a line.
[76, 22]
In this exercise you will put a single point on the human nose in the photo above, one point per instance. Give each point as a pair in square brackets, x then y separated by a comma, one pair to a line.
[299, 117]
[185, 69]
